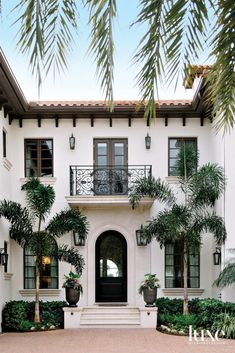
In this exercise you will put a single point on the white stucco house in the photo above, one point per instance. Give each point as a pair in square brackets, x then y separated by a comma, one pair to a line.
[35, 141]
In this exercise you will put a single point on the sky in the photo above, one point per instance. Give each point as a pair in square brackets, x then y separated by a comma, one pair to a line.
[79, 82]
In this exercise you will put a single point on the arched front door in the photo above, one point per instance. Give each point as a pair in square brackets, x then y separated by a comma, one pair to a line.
[111, 267]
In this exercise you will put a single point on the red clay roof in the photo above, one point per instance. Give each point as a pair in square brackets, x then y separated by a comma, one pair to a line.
[121, 103]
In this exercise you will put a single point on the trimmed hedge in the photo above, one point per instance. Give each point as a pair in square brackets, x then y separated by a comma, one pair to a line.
[18, 315]
[205, 313]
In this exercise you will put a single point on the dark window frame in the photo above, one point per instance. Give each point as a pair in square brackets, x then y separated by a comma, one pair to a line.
[4, 142]
[180, 255]
[5, 252]
[38, 158]
[169, 149]
[41, 276]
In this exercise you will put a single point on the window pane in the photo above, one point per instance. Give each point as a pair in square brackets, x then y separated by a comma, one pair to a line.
[30, 283]
[102, 148]
[169, 260]
[169, 283]
[169, 271]
[102, 160]
[29, 261]
[173, 143]
[119, 149]
[46, 144]
[193, 271]
[119, 160]
[169, 248]
[174, 153]
[29, 272]
[194, 283]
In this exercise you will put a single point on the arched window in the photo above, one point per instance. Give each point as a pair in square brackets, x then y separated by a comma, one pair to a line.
[48, 272]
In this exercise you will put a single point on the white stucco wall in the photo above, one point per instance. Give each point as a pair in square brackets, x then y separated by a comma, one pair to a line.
[122, 219]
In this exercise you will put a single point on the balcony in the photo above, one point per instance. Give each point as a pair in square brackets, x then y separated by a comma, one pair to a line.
[104, 181]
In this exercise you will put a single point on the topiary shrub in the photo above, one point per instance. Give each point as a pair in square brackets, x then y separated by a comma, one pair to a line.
[18, 315]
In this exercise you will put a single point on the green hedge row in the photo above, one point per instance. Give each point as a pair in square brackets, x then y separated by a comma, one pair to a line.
[204, 313]
[18, 315]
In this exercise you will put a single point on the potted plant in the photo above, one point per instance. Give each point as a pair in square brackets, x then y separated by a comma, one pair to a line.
[149, 288]
[73, 288]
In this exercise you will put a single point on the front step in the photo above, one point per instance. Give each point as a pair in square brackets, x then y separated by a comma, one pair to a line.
[110, 316]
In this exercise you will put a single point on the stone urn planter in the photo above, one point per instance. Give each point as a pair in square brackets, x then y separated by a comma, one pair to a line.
[148, 289]
[73, 288]
[72, 296]
[150, 296]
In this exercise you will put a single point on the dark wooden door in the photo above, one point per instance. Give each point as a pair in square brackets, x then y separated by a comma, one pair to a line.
[111, 267]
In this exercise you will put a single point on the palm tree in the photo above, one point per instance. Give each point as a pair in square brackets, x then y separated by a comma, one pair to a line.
[176, 32]
[187, 221]
[227, 275]
[26, 228]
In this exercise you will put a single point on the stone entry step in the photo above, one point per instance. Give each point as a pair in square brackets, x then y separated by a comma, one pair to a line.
[110, 316]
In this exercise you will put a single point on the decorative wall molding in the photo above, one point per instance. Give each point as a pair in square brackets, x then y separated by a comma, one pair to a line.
[172, 179]
[7, 275]
[42, 292]
[45, 181]
[194, 292]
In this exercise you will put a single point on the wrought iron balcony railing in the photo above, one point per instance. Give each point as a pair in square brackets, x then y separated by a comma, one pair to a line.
[108, 180]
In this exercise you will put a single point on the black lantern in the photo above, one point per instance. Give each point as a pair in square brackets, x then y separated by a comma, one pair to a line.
[79, 239]
[140, 238]
[217, 256]
[3, 257]
[72, 142]
[147, 141]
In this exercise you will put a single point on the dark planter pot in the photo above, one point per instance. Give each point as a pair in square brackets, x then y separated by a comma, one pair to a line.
[72, 296]
[150, 296]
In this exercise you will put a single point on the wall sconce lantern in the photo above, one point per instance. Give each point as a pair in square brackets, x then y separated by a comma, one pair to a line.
[147, 141]
[79, 239]
[217, 256]
[72, 142]
[3, 257]
[140, 238]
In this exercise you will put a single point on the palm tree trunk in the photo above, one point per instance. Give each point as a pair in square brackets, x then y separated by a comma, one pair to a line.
[37, 311]
[185, 304]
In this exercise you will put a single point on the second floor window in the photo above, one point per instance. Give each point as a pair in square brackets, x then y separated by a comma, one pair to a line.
[174, 145]
[38, 158]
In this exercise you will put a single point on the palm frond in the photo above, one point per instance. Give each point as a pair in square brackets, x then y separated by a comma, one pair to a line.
[227, 276]
[45, 34]
[169, 226]
[71, 256]
[213, 224]
[19, 218]
[66, 221]
[150, 52]
[42, 244]
[151, 187]
[186, 29]
[221, 77]
[61, 20]
[207, 185]
[102, 13]
[39, 197]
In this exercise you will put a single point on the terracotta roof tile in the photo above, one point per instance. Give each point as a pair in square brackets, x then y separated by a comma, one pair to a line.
[121, 103]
